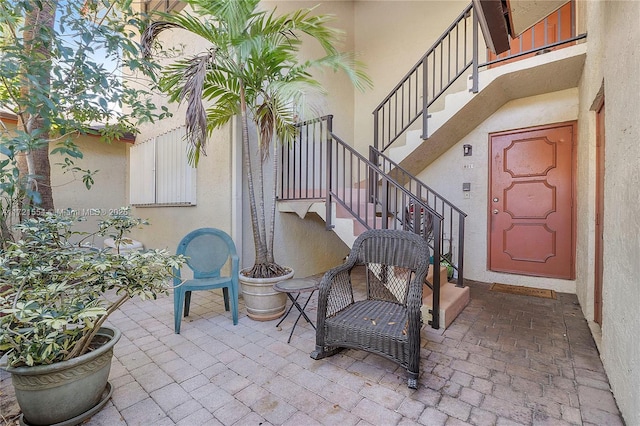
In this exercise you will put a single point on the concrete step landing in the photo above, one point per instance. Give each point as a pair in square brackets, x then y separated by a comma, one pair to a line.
[452, 299]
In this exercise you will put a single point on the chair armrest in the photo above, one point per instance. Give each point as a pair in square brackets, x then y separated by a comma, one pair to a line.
[414, 302]
[335, 293]
[235, 265]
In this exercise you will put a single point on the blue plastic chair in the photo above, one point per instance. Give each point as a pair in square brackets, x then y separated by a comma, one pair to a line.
[207, 251]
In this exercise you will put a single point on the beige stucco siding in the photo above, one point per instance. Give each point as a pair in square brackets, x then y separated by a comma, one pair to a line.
[214, 181]
[107, 194]
[391, 36]
[338, 97]
[590, 85]
[620, 64]
[213, 194]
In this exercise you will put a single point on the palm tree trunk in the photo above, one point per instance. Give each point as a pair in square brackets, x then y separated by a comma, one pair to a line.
[274, 188]
[34, 164]
[261, 205]
[260, 249]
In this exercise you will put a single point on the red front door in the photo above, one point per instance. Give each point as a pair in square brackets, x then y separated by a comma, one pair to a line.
[531, 216]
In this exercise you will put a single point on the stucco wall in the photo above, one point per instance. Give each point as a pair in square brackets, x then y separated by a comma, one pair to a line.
[107, 193]
[590, 84]
[447, 174]
[618, 29]
[213, 194]
[340, 93]
[214, 182]
[392, 36]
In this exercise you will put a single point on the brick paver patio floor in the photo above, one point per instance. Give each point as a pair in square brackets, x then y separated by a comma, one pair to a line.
[506, 360]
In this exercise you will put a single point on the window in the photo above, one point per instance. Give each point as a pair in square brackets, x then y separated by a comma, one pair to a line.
[160, 173]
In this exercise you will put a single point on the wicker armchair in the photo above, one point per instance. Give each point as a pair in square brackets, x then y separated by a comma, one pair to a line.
[388, 321]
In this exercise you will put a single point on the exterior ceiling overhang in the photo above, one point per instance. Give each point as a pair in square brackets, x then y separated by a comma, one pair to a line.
[493, 22]
[501, 18]
[523, 14]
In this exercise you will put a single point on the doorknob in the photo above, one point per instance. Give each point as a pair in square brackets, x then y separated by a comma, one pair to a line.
[495, 211]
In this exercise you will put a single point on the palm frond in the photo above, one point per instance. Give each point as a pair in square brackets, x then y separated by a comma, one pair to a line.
[151, 33]
[291, 26]
[265, 121]
[219, 114]
[252, 56]
[233, 14]
[346, 62]
[206, 27]
[196, 117]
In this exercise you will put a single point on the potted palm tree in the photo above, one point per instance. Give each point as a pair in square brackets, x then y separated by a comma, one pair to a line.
[56, 294]
[250, 67]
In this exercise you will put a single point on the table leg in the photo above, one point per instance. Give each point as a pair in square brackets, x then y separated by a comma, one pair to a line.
[302, 313]
[290, 307]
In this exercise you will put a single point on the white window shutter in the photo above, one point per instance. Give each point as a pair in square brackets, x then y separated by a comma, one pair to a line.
[173, 179]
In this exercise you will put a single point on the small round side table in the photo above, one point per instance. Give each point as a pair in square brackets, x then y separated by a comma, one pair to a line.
[297, 286]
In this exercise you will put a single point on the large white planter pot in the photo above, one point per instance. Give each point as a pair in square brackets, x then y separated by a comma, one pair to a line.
[66, 392]
[263, 303]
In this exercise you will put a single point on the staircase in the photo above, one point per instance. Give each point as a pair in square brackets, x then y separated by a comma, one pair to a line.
[322, 174]
[440, 100]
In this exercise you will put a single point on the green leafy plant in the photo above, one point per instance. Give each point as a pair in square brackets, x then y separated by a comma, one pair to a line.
[61, 76]
[250, 67]
[57, 291]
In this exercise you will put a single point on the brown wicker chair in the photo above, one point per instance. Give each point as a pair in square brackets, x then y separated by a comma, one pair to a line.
[388, 321]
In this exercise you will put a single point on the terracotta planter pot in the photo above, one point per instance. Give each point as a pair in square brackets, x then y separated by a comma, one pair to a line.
[66, 392]
[263, 303]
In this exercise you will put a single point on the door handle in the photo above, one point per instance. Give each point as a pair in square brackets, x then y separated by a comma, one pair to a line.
[495, 211]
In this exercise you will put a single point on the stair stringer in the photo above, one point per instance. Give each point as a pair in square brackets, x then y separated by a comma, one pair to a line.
[343, 227]
[464, 111]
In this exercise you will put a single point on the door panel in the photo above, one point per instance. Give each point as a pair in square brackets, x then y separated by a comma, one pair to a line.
[531, 197]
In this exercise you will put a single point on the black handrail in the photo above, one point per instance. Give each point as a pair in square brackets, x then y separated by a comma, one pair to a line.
[442, 66]
[339, 178]
[424, 83]
[377, 192]
[454, 218]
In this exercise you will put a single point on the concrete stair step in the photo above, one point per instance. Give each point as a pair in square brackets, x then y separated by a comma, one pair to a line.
[452, 299]
[443, 277]
[363, 208]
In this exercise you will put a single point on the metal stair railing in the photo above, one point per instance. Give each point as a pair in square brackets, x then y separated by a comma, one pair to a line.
[454, 218]
[441, 69]
[445, 62]
[321, 166]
